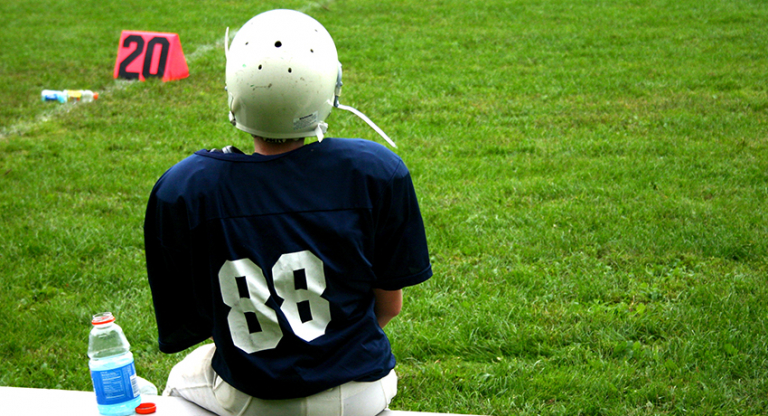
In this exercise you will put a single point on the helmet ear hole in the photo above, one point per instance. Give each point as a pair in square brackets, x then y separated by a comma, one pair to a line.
[278, 44]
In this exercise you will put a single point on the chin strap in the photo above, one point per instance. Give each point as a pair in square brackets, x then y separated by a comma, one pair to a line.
[356, 112]
[367, 120]
[226, 43]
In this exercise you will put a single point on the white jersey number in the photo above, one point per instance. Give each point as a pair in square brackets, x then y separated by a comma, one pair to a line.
[299, 280]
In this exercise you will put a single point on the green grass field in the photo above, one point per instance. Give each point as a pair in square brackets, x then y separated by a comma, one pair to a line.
[593, 176]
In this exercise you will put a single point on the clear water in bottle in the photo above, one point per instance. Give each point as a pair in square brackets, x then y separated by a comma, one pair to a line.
[112, 368]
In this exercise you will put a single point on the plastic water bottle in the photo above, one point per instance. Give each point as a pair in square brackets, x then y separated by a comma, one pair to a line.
[53, 95]
[112, 369]
[85, 96]
[89, 96]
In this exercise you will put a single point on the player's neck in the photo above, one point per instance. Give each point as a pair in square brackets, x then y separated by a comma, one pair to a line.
[269, 148]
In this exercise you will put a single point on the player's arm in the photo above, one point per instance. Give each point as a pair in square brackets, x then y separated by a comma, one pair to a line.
[388, 304]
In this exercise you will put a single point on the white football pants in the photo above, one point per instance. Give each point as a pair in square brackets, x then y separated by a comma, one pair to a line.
[193, 378]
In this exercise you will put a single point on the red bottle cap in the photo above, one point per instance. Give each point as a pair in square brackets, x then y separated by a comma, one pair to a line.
[146, 408]
[103, 318]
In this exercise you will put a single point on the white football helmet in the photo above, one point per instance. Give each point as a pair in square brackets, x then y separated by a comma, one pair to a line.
[283, 77]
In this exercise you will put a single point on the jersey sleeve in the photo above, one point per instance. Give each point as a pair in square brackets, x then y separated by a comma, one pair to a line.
[169, 268]
[401, 254]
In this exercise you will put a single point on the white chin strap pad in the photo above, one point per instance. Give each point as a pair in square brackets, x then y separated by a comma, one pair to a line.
[320, 131]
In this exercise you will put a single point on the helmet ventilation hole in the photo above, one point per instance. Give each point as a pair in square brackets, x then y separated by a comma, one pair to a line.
[289, 70]
[259, 67]
[278, 44]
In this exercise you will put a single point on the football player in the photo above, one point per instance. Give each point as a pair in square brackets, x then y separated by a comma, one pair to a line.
[292, 258]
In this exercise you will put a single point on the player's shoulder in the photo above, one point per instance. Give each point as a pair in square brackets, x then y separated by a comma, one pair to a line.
[364, 155]
[194, 169]
[361, 145]
[189, 166]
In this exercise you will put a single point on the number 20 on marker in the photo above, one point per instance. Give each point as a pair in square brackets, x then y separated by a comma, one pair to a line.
[142, 55]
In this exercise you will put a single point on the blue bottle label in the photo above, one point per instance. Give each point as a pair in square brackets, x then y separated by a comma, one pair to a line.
[116, 385]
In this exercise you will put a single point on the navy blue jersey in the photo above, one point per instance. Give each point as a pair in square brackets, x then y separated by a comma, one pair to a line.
[276, 257]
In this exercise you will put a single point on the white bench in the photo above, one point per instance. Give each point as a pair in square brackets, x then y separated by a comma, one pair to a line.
[46, 402]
